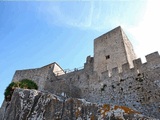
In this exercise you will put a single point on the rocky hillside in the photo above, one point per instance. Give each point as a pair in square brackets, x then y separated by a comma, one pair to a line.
[36, 105]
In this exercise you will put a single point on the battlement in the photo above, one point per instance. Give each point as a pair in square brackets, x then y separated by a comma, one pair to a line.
[153, 56]
[153, 61]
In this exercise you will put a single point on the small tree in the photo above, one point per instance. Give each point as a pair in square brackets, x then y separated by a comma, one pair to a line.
[25, 83]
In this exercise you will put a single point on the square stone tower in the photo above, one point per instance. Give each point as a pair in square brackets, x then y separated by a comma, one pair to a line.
[111, 50]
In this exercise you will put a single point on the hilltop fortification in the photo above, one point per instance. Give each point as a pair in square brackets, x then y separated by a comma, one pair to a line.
[113, 76]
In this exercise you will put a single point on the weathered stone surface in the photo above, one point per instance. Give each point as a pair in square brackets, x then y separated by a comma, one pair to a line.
[111, 50]
[36, 105]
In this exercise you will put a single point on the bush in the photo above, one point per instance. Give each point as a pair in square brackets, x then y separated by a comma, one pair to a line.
[25, 83]
[28, 84]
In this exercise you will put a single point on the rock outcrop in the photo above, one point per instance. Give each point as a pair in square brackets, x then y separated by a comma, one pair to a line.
[36, 105]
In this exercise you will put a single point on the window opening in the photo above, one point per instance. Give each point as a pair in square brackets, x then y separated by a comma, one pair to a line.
[107, 57]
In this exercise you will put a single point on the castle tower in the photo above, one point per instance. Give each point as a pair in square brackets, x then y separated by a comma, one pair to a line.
[112, 50]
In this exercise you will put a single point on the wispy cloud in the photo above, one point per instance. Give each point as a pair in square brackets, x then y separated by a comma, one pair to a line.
[147, 31]
[87, 16]
[141, 21]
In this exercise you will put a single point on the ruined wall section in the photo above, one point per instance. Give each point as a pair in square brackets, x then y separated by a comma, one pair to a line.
[138, 88]
[39, 75]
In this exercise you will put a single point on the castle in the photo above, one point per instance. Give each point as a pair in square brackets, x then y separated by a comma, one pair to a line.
[113, 76]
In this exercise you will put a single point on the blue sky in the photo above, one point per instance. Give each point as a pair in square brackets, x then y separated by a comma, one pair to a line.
[34, 34]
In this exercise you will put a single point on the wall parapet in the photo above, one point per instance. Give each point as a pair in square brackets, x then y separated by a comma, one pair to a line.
[153, 61]
[153, 56]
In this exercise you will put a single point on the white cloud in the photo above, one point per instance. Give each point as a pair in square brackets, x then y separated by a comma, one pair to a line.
[147, 32]
[101, 16]
[91, 18]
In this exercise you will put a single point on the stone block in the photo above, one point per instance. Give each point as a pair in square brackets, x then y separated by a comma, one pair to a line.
[125, 67]
[152, 56]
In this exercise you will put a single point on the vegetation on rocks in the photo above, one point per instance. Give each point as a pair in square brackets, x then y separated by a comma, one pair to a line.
[25, 84]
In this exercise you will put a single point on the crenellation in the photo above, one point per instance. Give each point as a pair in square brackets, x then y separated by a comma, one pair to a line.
[153, 56]
[137, 63]
[105, 75]
[151, 64]
[125, 67]
[115, 71]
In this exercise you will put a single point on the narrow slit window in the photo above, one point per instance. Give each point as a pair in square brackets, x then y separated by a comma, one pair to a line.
[107, 57]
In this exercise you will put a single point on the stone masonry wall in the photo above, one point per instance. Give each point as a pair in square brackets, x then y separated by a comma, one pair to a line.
[112, 50]
[39, 75]
[129, 49]
[137, 88]
[109, 48]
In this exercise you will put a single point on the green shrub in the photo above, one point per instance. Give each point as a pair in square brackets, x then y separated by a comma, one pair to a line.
[9, 91]
[25, 83]
[28, 84]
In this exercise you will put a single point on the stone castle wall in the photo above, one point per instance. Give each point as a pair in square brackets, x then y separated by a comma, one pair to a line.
[137, 87]
[39, 75]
